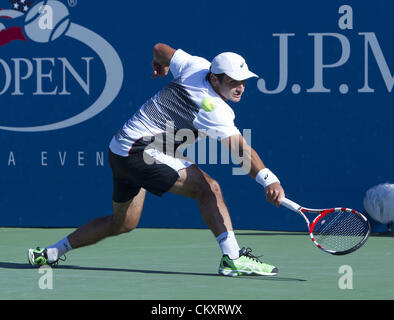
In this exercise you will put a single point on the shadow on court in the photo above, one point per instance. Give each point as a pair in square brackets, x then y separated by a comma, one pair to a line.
[13, 265]
[383, 234]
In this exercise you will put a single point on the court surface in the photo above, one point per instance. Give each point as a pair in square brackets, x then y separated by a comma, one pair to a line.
[179, 264]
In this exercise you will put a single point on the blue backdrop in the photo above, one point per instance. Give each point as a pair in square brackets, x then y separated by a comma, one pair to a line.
[320, 114]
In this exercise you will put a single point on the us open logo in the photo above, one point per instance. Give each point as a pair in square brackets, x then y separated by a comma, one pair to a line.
[37, 76]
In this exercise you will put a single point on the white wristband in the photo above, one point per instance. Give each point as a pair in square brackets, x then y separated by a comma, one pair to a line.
[265, 177]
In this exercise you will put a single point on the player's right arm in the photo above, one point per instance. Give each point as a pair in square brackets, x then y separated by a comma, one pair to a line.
[218, 123]
[162, 55]
[253, 165]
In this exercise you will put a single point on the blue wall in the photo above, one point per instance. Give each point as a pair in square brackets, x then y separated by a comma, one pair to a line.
[327, 148]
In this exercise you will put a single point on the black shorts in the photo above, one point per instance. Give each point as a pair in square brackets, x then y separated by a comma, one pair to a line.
[132, 173]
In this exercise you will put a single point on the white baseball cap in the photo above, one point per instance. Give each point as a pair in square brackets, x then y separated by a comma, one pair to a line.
[233, 65]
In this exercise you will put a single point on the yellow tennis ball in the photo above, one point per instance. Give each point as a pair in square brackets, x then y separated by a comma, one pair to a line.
[208, 104]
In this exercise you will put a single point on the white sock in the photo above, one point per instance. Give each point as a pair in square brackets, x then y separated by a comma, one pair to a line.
[58, 249]
[228, 244]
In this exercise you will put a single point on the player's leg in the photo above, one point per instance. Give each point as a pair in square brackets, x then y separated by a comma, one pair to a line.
[128, 199]
[125, 218]
[127, 202]
[196, 184]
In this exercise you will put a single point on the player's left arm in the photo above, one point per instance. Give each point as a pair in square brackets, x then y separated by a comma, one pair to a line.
[254, 166]
[162, 55]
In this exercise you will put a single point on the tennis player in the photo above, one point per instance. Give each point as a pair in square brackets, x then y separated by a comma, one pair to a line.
[195, 101]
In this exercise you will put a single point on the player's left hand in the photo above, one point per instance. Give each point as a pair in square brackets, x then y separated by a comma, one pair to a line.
[159, 70]
[274, 193]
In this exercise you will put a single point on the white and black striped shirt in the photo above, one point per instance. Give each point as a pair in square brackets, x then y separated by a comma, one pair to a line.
[178, 106]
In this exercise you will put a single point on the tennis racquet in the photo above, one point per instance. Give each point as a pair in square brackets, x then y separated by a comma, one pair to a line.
[337, 231]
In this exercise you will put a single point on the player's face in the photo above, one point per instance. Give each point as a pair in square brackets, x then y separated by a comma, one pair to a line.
[230, 89]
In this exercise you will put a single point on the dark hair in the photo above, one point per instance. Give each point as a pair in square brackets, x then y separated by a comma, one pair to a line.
[220, 76]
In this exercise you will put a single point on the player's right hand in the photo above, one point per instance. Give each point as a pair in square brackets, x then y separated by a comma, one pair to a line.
[274, 193]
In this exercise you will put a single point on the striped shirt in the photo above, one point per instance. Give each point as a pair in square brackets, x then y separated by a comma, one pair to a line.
[187, 106]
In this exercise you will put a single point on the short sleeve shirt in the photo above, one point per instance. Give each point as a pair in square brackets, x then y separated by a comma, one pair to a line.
[188, 102]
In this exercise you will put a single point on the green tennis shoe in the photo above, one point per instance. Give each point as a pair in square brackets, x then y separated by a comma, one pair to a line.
[38, 257]
[246, 264]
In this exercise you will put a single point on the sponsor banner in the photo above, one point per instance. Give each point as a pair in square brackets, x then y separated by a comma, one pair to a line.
[72, 72]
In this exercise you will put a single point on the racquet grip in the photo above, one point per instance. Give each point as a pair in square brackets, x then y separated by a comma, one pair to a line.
[290, 205]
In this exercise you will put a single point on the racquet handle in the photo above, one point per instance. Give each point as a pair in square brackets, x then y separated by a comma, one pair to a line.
[290, 205]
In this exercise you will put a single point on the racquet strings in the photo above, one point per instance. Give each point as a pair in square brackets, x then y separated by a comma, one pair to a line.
[340, 230]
